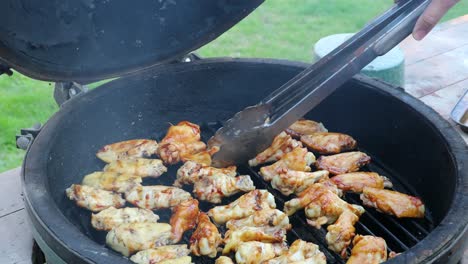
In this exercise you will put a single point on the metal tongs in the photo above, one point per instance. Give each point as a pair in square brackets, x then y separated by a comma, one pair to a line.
[252, 130]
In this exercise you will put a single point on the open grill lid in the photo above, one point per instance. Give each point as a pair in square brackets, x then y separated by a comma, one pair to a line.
[86, 40]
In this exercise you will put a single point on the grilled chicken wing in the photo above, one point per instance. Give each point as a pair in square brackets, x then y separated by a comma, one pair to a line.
[224, 260]
[299, 159]
[305, 127]
[368, 250]
[327, 207]
[356, 181]
[181, 260]
[244, 206]
[301, 252]
[290, 181]
[111, 181]
[282, 144]
[93, 199]
[156, 255]
[341, 233]
[329, 143]
[343, 163]
[138, 167]
[181, 140]
[191, 172]
[112, 217]
[254, 252]
[202, 157]
[156, 197]
[214, 188]
[206, 238]
[265, 217]
[308, 195]
[233, 238]
[130, 149]
[394, 203]
[133, 237]
[184, 217]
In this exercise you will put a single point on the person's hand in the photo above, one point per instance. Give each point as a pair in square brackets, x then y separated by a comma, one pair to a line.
[433, 13]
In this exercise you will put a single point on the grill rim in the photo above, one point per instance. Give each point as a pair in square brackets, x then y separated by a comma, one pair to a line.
[73, 246]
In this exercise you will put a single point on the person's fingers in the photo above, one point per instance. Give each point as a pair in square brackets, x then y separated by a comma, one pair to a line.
[433, 13]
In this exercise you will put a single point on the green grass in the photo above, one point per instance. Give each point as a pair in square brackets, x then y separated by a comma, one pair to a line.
[277, 29]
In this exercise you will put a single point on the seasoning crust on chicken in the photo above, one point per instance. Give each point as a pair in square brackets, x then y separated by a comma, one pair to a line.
[156, 196]
[113, 217]
[329, 143]
[133, 237]
[111, 181]
[138, 167]
[289, 181]
[282, 144]
[93, 199]
[184, 217]
[206, 238]
[300, 252]
[265, 217]
[233, 238]
[191, 172]
[299, 159]
[244, 206]
[341, 233]
[356, 181]
[156, 255]
[394, 203]
[305, 127]
[224, 260]
[254, 252]
[129, 149]
[368, 250]
[343, 162]
[308, 195]
[214, 188]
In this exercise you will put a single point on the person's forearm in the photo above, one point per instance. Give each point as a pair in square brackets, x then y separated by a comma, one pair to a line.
[434, 12]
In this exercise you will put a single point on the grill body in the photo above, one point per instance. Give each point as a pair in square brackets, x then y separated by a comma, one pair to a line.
[408, 141]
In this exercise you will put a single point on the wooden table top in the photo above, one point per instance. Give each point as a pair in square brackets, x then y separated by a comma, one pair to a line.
[436, 73]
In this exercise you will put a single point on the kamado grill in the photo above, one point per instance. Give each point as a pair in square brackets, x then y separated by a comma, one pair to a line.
[145, 43]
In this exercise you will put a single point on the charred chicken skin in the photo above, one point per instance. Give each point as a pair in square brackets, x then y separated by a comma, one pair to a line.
[156, 197]
[282, 144]
[328, 143]
[393, 203]
[308, 195]
[300, 252]
[214, 188]
[254, 252]
[341, 233]
[233, 238]
[130, 149]
[156, 255]
[184, 217]
[305, 127]
[265, 217]
[299, 159]
[112, 217]
[191, 172]
[111, 181]
[368, 250]
[343, 162]
[93, 199]
[206, 238]
[356, 181]
[137, 167]
[289, 181]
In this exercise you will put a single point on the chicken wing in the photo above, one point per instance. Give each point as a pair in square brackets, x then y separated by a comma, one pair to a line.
[343, 163]
[329, 143]
[282, 144]
[133, 237]
[299, 159]
[214, 188]
[356, 181]
[327, 207]
[93, 199]
[156, 196]
[244, 206]
[265, 217]
[181, 260]
[341, 233]
[138, 167]
[290, 181]
[130, 149]
[368, 250]
[393, 203]
[111, 181]
[191, 172]
[184, 217]
[305, 127]
[301, 252]
[224, 260]
[254, 252]
[181, 140]
[112, 217]
[206, 238]
[308, 195]
[156, 255]
[233, 238]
